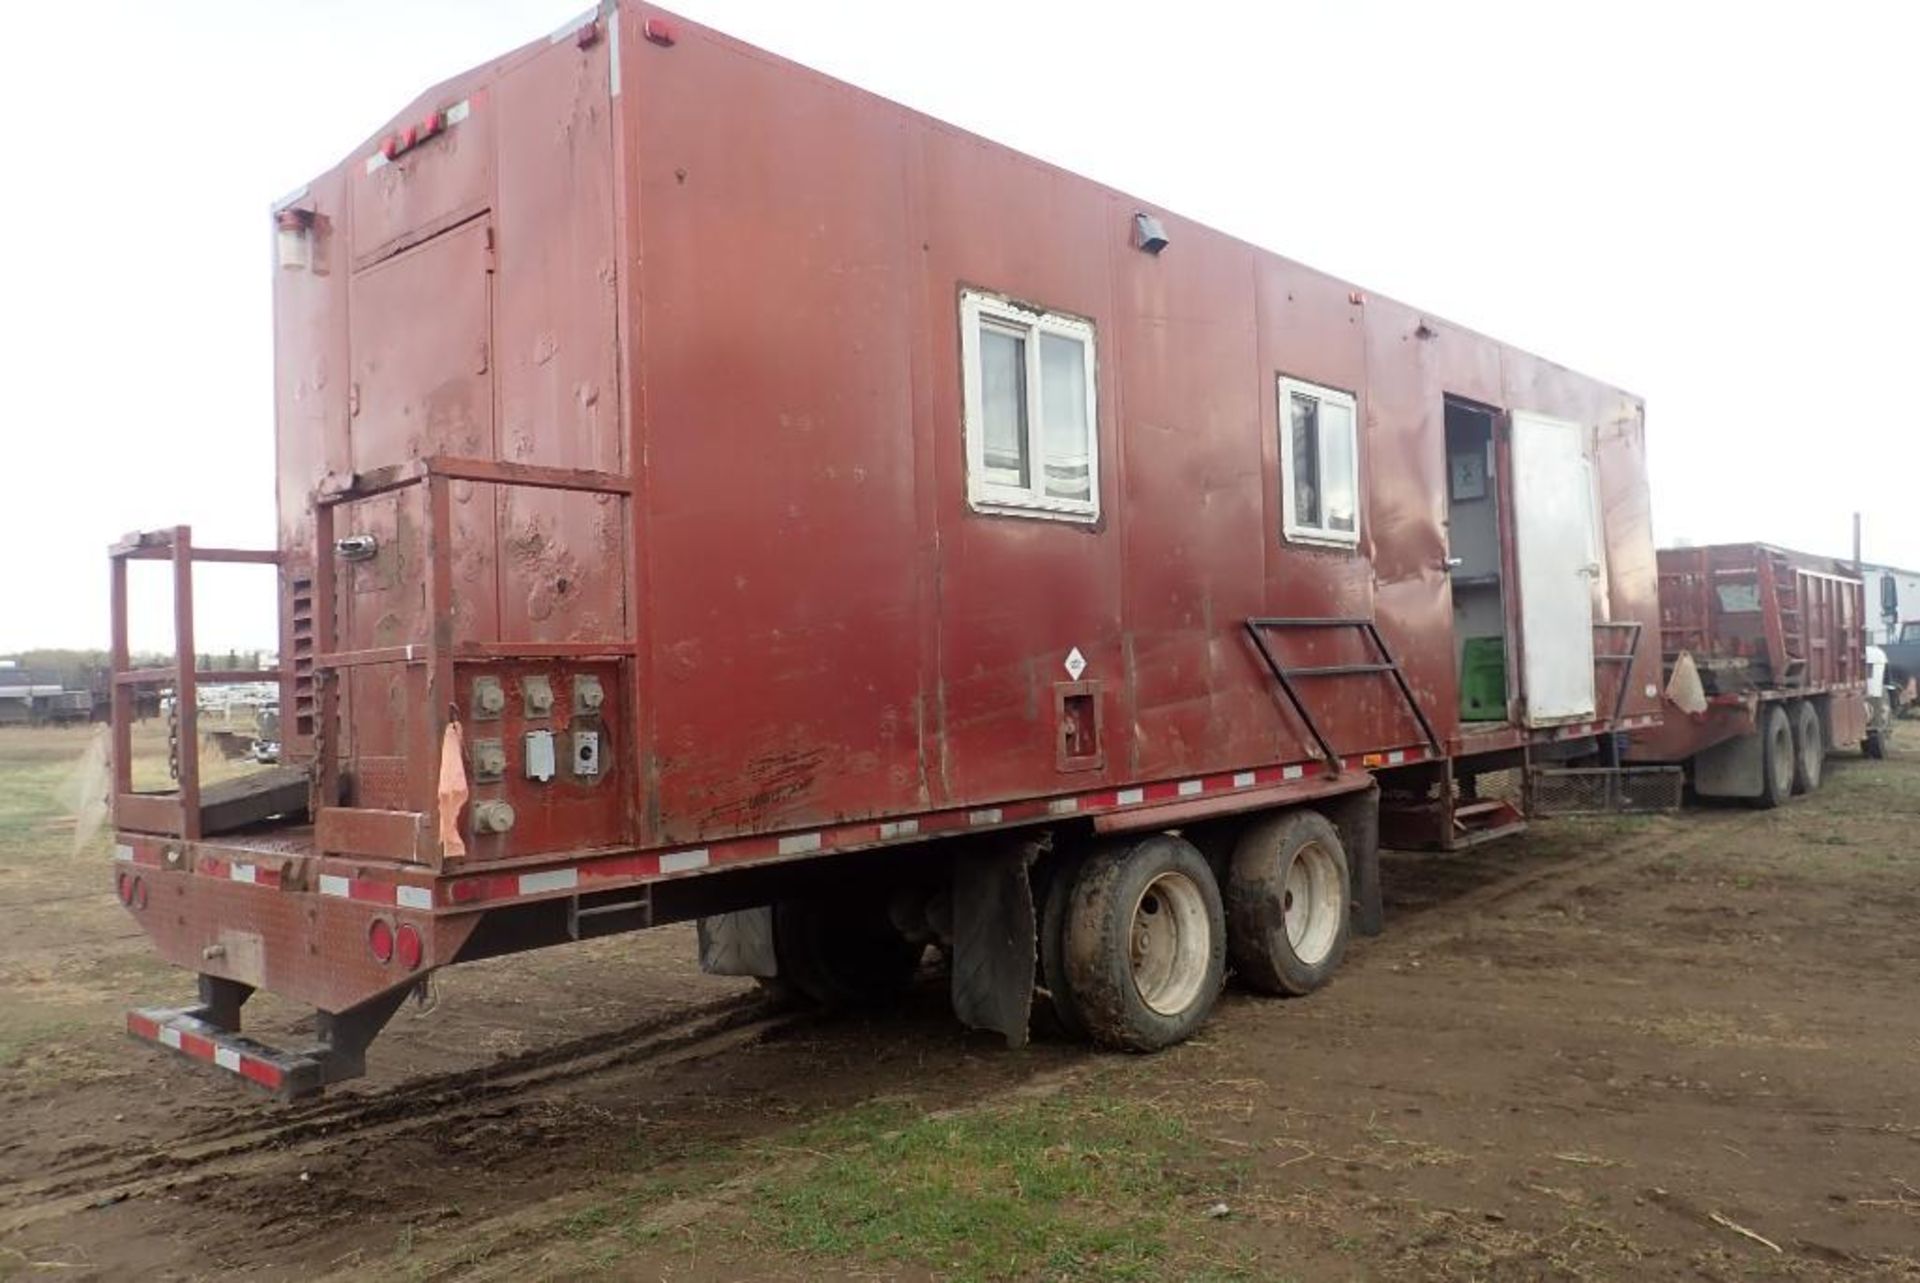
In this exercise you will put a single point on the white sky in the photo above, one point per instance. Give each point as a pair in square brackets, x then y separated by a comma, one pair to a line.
[1715, 206]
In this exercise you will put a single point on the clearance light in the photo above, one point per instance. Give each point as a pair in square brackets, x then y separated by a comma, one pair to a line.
[658, 31]
[402, 141]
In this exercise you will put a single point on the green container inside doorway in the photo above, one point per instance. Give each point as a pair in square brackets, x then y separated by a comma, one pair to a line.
[1483, 680]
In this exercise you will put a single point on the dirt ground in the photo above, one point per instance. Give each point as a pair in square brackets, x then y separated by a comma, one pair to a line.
[1664, 1047]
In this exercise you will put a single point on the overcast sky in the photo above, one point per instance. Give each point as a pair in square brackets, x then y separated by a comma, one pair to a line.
[1715, 206]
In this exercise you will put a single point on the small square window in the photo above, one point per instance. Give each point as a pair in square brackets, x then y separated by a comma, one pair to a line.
[1319, 465]
[1032, 444]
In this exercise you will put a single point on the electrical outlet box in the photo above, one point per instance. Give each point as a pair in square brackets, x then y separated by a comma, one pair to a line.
[489, 761]
[489, 699]
[587, 695]
[539, 756]
[537, 692]
[586, 754]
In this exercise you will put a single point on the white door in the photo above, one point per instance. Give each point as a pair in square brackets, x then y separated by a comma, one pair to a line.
[1553, 533]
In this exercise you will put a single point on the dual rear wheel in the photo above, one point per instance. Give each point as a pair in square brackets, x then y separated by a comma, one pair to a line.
[1135, 939]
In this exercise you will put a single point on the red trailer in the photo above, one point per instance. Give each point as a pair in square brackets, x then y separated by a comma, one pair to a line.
[1766, 671]
[710, 491]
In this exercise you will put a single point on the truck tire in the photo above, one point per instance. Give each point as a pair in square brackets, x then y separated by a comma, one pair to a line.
[1776, 758]
[1145, 943]
[842, 953]
[1053, 947]
[1288, 892]
[1809, 747]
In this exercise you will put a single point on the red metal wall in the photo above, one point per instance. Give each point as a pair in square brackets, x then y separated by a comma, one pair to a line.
[739, 280]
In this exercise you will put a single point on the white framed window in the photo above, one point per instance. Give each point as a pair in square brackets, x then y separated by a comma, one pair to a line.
[1319, 464]
[1033, 448]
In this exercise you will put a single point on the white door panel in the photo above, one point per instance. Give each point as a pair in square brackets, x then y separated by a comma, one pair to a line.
[1554, 547]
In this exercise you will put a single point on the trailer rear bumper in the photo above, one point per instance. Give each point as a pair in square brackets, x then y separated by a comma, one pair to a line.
[288, 1075]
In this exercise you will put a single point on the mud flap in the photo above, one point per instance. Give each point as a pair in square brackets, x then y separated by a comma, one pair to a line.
[1357, 817]
[739, 943]
[1733, 768]
[995, 941]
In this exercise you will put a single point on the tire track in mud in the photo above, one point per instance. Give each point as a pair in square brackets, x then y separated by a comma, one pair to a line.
[1562, 875]
[234, 1146]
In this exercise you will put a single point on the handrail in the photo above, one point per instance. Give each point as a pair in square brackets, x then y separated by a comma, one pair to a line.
[339, 488]
[177, 815]
[1284, 675]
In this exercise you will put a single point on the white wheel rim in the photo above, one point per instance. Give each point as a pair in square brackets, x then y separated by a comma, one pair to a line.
[1782, 754]
[1169, 943]
[1311, 898]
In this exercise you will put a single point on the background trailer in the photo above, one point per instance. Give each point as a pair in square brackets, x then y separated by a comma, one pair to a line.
[1765, 653]
[708, 489]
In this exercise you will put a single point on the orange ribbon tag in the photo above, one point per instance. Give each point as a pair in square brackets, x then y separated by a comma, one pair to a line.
[453, 789]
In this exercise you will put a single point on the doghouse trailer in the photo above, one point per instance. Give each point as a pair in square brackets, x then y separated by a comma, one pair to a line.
[1765, 668]
[708, 491]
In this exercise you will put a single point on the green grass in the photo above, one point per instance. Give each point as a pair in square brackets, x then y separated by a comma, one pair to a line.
[1055, 1188]
[1075, 1186]
[36, 770]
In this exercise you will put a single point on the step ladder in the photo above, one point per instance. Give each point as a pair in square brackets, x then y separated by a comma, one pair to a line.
[1483, 819]
[1786, 624]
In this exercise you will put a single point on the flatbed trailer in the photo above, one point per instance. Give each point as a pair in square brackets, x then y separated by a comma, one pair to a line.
[1765, 668]
[708, 491]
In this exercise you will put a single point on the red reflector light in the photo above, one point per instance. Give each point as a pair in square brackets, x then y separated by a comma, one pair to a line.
[123, 887]
[657, 30]
[411, 948]
[380, 940]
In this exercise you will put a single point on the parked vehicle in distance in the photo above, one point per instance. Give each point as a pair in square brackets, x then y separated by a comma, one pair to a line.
[1765, 670]
[1903, 669]
[1879, 705]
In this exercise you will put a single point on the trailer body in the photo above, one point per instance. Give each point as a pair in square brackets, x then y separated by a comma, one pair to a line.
[1754, 637]
[697, 475]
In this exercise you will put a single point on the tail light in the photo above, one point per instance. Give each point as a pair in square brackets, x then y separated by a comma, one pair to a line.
[410, 947]
[380, 940]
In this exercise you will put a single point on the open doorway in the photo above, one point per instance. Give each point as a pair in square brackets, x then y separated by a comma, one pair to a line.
[1475, 562]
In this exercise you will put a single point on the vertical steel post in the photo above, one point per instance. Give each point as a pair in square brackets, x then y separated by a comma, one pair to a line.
[440, 693]
[186, 689]
[121, 695]
[326, 680]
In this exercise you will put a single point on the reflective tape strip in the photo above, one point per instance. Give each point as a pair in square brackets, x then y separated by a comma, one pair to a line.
[682, 861]
[549, 880]
[799, 843]
[169, 1036]
[991, 815]
[121, 851]
[1063, 806]
[1189, 787]
[1292, 772]
[1127, 797]
[898, 829]
[411, 897]
[332, 884]
[1243, 779]
[243, 873]
[227, 1058]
